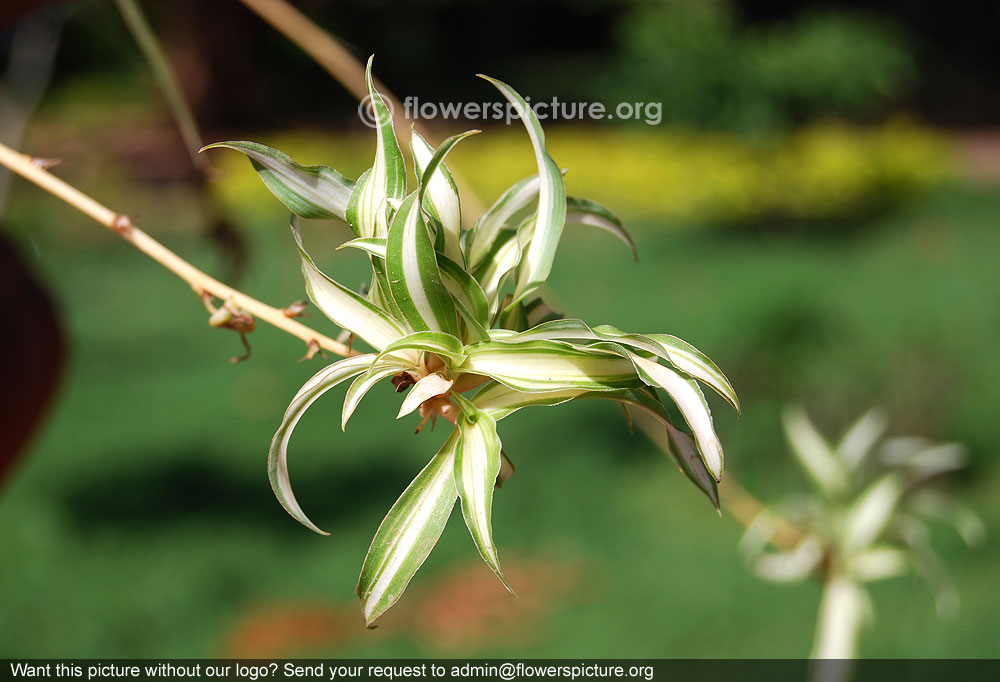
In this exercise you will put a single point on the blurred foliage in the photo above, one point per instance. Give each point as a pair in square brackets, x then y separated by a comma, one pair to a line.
[708, 70]
[141, 524]
[821, 172]
[865, 518]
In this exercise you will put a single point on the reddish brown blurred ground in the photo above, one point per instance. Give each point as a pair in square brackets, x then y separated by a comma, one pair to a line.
[459, 610]
[980, 155]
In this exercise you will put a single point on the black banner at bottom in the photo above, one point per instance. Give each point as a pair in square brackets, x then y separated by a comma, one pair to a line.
[504, 670]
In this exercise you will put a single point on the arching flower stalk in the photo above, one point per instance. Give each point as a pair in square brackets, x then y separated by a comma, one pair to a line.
[453, 315]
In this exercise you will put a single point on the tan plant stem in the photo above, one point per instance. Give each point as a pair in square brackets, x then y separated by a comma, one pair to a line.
[31, 169]
[327, 51]
[733, 497]
[744, 507]
[158, 64]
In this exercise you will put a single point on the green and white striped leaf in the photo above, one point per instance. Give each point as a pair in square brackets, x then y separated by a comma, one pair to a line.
[691, 463]
[370, 245]
[414, 277]
[499, 400]
[470, 299]
[548, 366]
[449, 347]
[682, 355]
[427, 387]
[382, 368]
[380, 294]
[688, 397]
[307, 191]
[512, 315]
[694, 363]
[655, 422]
[484, 233]
[277, 456]
[367, 210]
[344, 307]
[501, 260]
[691, 402]
[408, 533]
[440, 193]
[477, 464]
[587, 212]
[814, 453]
[551, 211]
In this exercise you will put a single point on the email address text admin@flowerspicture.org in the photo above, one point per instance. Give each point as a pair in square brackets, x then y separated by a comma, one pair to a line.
[92, 671]
[555, 109]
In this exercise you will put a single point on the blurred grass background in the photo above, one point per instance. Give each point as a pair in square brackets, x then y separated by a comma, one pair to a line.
[833, 255]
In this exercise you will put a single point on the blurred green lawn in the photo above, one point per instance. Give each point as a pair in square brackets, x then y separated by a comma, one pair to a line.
[141, 522]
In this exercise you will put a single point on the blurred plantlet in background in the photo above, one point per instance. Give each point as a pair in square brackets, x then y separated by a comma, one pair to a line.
[865, 520]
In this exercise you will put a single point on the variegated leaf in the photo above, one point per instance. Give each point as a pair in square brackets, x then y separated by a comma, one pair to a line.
[587, 212]
[408, 533]
[277, 456]
[691, 463]
[484, 233]
[477, 464]
[346, 308]
[548, 366]
[499, 400]
[382, 368]
[551, 211]
[367, 210]
[470, 299]
[414, 277]
[689, 399]
[307, 191]
[682, 355]
[696, 364]
[440, 198]
[370, 245]
[501, 260]
[449, 347]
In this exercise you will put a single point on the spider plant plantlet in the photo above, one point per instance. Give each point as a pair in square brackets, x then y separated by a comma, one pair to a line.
[454, 315]
[865, 519]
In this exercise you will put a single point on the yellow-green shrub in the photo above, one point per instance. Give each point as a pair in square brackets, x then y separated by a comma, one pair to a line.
[823, 171]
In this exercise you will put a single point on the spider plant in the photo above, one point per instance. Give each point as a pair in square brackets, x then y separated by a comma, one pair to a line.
[864, 521]
[454, 315]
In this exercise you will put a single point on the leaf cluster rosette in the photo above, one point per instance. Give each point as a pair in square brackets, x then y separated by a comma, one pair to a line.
[454, 314]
